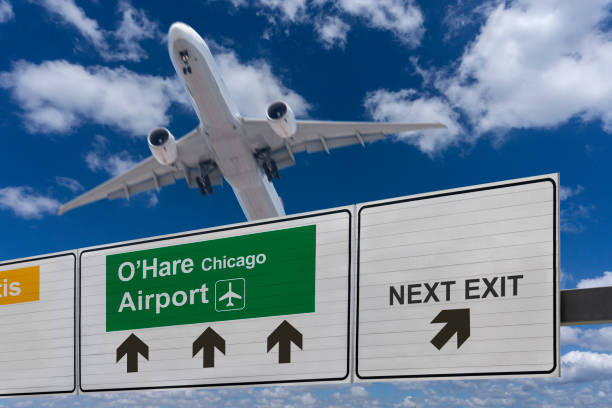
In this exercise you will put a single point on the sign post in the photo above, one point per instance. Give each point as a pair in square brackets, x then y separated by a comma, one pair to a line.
[261, 303]
[462, 283]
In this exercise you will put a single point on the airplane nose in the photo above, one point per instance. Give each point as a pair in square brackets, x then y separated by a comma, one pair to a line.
[176, 30]
[183, 31]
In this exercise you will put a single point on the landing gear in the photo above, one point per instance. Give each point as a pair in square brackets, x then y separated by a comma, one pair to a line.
[203, 181]
[271, 170]
[204, 185]
[184, 55]
[267, 164]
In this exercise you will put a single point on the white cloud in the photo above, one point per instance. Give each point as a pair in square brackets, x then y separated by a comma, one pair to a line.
[473, 393]
[134, 26]
[57, 96]
[332, 32]
[100, 158]
[6, 11]
[573, 214]
[69, 183]
[253, 86]
[464, 14]
[603, 280]
[406, 402]
[403, 18]
[152, 199]
[599, 339]
[359, 391]
[536, 64]
[570, 335]
[26, 203]
[276, 392]
[404, 106]
[73, 15]
[573, 217]
[568, 192]
[290, 8]
[566, 279]
[306, 398]
[581, 366]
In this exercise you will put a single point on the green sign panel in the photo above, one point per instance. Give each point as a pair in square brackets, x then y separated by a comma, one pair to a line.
[256, 275]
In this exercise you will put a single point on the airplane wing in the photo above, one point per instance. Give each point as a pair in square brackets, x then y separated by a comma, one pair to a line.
[314, 136]
[150, 174]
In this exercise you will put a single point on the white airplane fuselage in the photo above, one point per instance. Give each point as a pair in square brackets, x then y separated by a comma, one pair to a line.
[221, 125]
[247, 152]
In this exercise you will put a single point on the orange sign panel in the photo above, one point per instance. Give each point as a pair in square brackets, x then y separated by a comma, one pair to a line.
[20, 285]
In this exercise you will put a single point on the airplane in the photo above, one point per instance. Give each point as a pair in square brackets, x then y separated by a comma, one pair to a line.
[230, 295]
[248, 153]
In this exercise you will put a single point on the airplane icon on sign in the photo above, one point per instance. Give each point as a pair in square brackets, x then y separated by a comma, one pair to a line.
[230, 295]
[234, 294]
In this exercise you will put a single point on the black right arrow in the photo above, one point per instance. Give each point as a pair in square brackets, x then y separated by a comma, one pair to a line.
[457, 321]
[284, 335]
[132, 346]
[208, 341]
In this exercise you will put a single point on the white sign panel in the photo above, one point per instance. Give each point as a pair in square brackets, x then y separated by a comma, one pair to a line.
[37, 309]
[461, 283]
[261, 303]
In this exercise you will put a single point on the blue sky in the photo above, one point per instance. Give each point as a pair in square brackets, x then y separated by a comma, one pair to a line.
[523, 87]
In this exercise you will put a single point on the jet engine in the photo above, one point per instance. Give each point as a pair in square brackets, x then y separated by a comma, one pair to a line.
[281, 119]
[163, 146]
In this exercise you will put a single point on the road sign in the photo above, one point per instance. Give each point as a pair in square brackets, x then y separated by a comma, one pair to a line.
[259, 303]
[37, 309]
[460, 283]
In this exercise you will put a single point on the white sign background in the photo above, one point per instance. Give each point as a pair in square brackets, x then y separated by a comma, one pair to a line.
[37, 343]
[485, 231]
[325, 355]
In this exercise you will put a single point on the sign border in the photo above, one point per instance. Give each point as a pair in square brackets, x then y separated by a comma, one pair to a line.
[456, 192]
[213, 230]
[74, 315]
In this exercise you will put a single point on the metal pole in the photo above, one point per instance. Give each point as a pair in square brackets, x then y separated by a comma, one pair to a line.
[586, 306]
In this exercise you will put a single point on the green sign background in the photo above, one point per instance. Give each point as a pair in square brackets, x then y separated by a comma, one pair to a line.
[284, 284]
